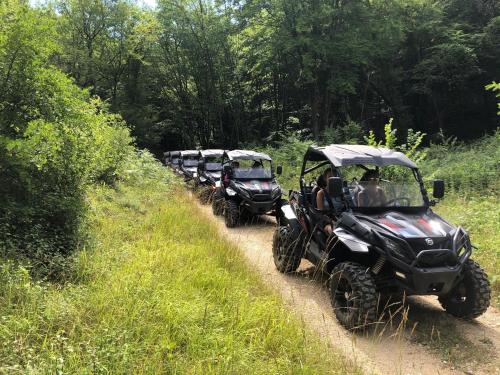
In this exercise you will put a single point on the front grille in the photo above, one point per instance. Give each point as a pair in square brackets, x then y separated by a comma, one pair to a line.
[262, 197]
[437, 258]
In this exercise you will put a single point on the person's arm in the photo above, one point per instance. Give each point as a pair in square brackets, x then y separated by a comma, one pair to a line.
[319, 200]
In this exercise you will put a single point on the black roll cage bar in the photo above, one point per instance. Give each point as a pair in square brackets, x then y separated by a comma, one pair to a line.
[416, 174]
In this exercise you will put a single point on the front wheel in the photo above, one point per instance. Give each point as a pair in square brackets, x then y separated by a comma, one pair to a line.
[217, 203]
[471, 297]
[231, 213]
[353, 295]
[287, 249]
[204, 194]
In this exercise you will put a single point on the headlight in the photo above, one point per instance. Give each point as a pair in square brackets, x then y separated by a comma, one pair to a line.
[397, 250]
[195, 174]
[230, 192]
[202, 179]
[276, 192]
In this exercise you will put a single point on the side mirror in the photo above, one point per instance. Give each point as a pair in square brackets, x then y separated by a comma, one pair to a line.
[438, 189]
[279, 170]
[227, 169]
[335, 187]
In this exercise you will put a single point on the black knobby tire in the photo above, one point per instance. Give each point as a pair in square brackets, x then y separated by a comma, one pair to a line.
[287, 249]
[353, 295]
[471, 297]
[231, 213]
[204, 194]
[217, 203]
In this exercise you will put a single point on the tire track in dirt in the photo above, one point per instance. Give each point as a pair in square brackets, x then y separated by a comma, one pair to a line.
[386, 353]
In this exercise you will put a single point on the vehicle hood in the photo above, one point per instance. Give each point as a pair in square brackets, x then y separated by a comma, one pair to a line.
[410, 226]
[257, 186]
[190, 170]
[212, 175]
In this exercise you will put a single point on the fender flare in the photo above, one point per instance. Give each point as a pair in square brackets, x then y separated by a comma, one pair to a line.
[290, 218]
[352, 242]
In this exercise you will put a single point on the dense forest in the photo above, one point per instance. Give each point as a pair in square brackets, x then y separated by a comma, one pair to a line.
[231, 73]
[228, 73]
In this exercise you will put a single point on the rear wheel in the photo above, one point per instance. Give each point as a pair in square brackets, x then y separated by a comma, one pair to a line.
[231, 213]
[287, 249]
[217, 203]
[471, 297]
[353, 295]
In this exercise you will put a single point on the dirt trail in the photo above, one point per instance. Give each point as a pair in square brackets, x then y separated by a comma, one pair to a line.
[385, 353]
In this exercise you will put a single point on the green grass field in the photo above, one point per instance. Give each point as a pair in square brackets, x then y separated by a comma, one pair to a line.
[158, 292]
[481, 217]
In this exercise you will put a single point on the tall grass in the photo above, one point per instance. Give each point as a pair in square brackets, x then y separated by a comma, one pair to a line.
[159, 292]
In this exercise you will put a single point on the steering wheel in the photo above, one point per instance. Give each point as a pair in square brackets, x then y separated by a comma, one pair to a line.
[407, 200]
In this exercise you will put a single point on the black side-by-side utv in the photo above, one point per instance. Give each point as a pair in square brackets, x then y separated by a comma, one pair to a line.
[166, 157]
[247, 186]
[376, 235]
[172, 159]
[188, 163]
[208, 174]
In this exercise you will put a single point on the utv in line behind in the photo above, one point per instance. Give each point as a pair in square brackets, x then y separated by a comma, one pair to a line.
[188, 163]
[172, 159]
[208, 174]
[391, 245]
[248, 187]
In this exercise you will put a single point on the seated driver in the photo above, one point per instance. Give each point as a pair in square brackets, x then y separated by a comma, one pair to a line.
[372, 195]
[323, 200]
[227, 175]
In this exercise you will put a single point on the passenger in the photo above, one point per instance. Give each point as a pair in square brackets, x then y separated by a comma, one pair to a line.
[372, 195]
[323, 200]
[227, 175]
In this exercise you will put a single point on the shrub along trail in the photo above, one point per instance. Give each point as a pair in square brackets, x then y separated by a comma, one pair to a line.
[428, 341]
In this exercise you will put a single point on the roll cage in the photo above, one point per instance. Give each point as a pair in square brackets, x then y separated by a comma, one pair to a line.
[338, 156]
[235, 155]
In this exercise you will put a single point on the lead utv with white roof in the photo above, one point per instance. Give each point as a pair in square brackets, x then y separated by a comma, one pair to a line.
[247, 186]
[385, 237]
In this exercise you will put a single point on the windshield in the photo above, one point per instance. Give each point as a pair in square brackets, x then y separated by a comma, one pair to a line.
[175, 161]
[252, 169]
[392, 186]
[213, 163]
[190, 161]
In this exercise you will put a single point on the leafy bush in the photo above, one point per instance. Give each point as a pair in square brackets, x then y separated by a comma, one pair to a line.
[411, 148]
[468, 168]
[289, 152]
[54, 141]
